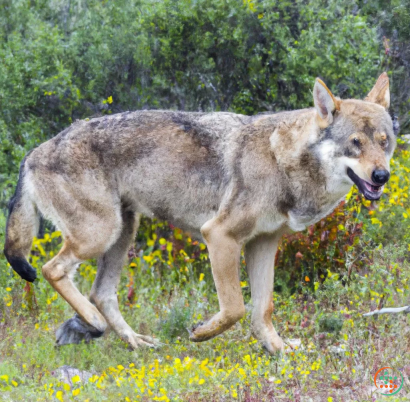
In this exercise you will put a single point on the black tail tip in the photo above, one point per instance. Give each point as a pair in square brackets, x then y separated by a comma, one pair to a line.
[22, 267]
[30, 274]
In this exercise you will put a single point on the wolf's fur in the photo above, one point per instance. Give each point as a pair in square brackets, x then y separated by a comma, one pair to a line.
[235, 180]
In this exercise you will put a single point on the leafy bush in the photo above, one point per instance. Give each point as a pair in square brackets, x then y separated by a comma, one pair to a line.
[330, 324]
[305, 258]
[177, 321]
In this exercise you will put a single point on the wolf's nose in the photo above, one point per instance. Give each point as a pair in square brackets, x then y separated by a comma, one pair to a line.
[380, 176]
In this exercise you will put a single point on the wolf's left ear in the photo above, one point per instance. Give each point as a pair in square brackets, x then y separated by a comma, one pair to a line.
[380, 93]
[325, 102]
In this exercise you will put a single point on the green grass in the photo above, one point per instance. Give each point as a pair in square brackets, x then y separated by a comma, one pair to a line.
[341, 350]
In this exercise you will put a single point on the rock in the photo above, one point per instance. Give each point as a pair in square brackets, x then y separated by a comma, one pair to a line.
[66, 373]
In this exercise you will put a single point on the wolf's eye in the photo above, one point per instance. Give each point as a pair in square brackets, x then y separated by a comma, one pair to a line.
[383, 141]
[356, 142]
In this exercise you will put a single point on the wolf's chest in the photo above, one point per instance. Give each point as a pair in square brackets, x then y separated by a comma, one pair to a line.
[307, 214]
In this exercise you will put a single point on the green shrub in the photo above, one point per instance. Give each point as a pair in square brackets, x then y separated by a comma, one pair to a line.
[177, 321]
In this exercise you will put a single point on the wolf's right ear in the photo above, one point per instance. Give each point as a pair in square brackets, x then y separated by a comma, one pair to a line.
[325, 102]
[380, 93]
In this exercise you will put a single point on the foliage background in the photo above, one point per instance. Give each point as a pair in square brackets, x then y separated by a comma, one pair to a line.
[65, 60]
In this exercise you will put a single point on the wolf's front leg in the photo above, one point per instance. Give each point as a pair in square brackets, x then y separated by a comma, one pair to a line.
[260, 258]
[224, 253]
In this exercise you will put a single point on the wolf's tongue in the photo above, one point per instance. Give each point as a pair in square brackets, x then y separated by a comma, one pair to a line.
[373, 189]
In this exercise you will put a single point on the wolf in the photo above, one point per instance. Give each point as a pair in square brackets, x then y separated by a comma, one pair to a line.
[236, 181]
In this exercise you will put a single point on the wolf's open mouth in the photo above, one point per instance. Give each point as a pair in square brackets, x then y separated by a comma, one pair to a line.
[370, 191]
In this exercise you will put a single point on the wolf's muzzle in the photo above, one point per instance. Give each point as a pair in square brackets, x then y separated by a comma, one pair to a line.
[371, 191]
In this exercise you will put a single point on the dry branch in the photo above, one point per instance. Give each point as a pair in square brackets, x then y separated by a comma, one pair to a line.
[389, 310]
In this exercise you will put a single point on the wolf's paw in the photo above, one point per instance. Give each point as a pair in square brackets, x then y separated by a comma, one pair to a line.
[194, 327]
[270, 340]
[203, 331]
[136, 341]
[274, 345]
[76, 330]
[195, 333]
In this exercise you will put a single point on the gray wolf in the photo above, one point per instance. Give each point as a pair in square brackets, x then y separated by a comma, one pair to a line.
[237, 181]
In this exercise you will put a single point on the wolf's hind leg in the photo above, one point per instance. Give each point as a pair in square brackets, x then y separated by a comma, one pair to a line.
[58, 273]
[87, 234]
[260, 258]
[104, 290]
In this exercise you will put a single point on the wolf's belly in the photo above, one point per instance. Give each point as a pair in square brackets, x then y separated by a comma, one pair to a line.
[180, 210]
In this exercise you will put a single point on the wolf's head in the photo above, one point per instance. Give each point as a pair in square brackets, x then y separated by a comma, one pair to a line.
[359, 135]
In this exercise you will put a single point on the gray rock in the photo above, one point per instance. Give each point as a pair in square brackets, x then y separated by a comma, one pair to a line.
[66, 373]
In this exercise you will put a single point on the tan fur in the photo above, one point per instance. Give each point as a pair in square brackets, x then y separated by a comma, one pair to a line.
[235, 180]
[380, 93]
[335, 100]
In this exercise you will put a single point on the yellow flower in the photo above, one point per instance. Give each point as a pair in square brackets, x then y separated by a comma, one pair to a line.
[76, 378]
[161, 398]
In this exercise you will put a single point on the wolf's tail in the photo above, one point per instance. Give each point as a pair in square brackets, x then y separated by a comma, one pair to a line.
[22, 226]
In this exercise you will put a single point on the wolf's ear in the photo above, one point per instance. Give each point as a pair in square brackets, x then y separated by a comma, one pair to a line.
[380, 93]
[325, 102]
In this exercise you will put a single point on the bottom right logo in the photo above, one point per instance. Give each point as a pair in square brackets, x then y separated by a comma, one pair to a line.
[388, 381]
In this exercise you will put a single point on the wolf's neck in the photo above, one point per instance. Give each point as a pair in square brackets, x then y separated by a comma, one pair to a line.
[294, 137]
